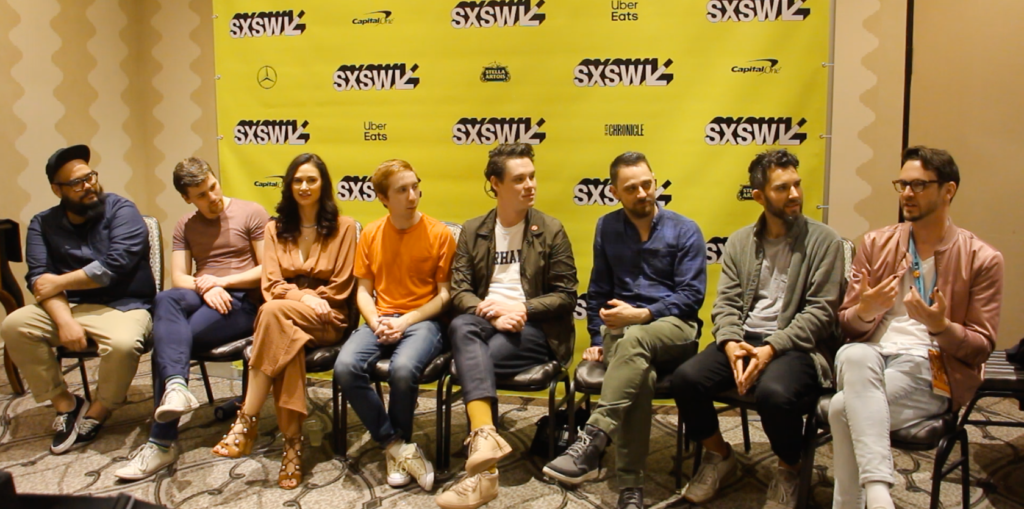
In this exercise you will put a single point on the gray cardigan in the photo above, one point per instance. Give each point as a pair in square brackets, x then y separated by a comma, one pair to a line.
[808, 320]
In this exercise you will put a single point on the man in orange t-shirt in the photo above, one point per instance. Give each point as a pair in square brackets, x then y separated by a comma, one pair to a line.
[404, 260]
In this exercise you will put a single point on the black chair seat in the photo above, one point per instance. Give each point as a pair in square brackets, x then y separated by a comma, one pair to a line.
[923, 436]
[534, 379]
[227, 352]
[318, 359]
[589, 378]
[431, 373]
[1002, 375]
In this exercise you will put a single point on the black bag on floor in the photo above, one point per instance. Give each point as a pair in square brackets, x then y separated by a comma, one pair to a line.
[539, 446]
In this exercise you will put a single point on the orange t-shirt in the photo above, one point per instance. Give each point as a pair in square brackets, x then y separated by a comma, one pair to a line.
[405, 265]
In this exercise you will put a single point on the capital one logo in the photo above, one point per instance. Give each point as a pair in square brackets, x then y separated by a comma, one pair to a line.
[488, 131]
[497, 13]
[271, 132]
[755, 131]
[376, 77]
[355, 188]
[720, 11]
[266, 24]
[630, 72]
[596, 191]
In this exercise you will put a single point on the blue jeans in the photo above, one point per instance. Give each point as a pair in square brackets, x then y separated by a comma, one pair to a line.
[182, 322]
[409, 357]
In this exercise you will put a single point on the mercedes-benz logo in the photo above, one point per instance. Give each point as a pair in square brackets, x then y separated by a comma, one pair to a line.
[266, 77]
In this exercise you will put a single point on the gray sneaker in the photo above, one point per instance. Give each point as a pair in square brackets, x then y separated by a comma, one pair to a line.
[177, 401]
[782, 490]
[714, 471]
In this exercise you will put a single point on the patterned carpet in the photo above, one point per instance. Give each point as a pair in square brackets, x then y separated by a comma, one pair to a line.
[200, 479]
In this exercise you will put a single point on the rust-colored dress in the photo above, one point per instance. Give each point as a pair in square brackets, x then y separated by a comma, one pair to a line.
[284, 325]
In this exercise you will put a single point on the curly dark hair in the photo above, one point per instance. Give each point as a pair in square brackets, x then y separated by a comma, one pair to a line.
[935, 160]
[288, 209]
[767, 160]
[497, 158]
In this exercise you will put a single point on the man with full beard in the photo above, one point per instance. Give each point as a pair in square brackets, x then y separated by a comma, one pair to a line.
[646, 287]
[88, 269]
[775, 330]
[921, 316]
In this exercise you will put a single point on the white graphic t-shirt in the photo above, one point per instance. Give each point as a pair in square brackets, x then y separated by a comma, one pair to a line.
[506, 283]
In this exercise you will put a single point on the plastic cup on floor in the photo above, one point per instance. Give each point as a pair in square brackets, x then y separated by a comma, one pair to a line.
[314, 429]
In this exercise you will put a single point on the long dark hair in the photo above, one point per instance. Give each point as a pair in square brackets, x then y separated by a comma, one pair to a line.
[288, 209]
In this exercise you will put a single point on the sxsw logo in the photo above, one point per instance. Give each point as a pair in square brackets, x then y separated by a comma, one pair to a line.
[375, 77]
[754, 130]
[497, 13]
[596, 191]
[770, 66]
[266, 24]
[720, 11]
[375, 18]
[715, 248]
[488, 131]
[630, 72]
[355, 188]
[271, 132]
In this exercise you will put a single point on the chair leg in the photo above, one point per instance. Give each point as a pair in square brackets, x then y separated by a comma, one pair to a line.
[746, 430]
[552, 411]
[245, 378]
[447, 438]
[965, 469]
[85, 379]
[206, 382]
[810, 447]
[941, 455]
[679, 452]
[17, 386]
[439, 429]
[571, 401]
[340, 420]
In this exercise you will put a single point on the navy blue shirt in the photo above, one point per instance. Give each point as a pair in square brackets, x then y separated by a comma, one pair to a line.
[113, 250]
[667, 274]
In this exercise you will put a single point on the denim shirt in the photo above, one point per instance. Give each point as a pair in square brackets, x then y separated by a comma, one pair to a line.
[667, 274]
[113, 250]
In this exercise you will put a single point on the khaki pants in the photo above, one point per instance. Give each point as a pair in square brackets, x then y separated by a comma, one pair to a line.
[31, 336]
[634, 357]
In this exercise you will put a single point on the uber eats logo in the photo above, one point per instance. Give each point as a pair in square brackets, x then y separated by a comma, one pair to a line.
[630, 72]
[498, 13]
[720, 11]
[597, 191]
[271, 132]
[266, 24]
[755, 131]
[376, 77]
[488, 131]
[355, 188]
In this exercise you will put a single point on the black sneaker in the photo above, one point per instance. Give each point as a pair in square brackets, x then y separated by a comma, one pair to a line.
[582, 461]
[66, 425]
[631, 498]
[88, 428]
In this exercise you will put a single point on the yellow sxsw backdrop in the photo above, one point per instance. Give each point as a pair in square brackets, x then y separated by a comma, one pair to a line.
[726, 65]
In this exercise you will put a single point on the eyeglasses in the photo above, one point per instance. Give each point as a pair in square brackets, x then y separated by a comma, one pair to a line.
[79, 183]
[916, 185]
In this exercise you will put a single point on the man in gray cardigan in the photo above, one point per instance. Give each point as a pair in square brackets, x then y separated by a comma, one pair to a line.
[775, 326]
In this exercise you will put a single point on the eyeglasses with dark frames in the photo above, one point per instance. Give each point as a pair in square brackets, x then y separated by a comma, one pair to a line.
[916, 185]
[79, 183]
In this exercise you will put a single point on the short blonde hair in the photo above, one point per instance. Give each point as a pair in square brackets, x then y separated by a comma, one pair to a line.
[381, 179]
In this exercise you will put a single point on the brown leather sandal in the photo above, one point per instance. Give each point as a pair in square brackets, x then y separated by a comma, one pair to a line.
[291, 444]
[239, 443]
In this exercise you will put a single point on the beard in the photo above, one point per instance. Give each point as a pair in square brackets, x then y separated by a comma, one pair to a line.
[921, 211]
[91, 210]
[780, 212]
[641, 209]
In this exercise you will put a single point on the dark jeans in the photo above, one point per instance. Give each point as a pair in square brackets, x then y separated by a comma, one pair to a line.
[182, 322]
[483, 353]
[409, 357]
[783, 394]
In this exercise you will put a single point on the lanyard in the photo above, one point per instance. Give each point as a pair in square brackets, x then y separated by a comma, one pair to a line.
[915, 264]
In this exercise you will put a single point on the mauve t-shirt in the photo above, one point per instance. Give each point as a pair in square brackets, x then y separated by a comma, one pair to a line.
[223, 245]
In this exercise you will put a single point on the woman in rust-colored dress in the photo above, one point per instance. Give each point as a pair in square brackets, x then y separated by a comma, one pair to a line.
[307, 282]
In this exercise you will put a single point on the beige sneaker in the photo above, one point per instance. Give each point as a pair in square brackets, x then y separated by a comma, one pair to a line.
[470, 492]
[398, 474]
[486, 447]
[422, 470]
[714, 471]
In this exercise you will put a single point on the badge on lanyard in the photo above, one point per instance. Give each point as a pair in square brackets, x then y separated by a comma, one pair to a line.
[940, 381]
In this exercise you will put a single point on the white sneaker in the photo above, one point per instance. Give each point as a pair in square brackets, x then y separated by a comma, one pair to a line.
[177, 401]
[714, 471]
[146, 461]
[398, 474]
[421, 469]
[782, 490]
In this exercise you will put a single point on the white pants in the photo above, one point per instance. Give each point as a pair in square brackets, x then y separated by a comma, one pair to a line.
[877, 394]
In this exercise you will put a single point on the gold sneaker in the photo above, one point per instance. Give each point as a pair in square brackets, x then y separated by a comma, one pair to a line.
[470, 492]
[486, 447]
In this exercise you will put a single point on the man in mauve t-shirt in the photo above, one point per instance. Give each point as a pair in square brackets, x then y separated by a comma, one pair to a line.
[404, 260]
[212, 306]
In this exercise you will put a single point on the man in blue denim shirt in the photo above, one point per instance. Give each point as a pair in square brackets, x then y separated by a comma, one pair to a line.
[88, 268]
[646, 287]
